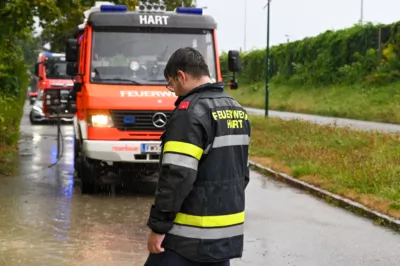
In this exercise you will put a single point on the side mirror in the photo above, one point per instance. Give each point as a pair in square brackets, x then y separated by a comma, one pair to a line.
[72, 69]
[71, 54]
[234, 66]
[234, 62]
[37, 69]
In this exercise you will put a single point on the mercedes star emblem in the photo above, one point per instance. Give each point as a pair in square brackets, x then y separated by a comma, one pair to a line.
[159, 120]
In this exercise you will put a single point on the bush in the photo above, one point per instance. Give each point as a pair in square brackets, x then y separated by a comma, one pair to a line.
[11, 110]
[344, 56]
[13, 86]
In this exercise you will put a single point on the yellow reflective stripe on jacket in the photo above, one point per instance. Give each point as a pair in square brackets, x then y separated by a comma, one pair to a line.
[183, 148]
[210, 221]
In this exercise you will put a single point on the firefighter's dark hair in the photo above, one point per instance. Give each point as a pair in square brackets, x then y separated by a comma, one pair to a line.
[188, 60]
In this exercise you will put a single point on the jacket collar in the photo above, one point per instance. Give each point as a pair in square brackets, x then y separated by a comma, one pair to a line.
[217, 86]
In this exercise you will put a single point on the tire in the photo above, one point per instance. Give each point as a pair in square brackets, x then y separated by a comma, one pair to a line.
[76, 156]
[85, 171]
[33, 122]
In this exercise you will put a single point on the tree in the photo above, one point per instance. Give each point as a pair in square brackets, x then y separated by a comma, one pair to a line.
[31, 46]
[15, 29]
[58, 31]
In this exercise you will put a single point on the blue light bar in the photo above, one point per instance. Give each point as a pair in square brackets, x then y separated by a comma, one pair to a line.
[48, 54]
[189, 10]
[113, 8]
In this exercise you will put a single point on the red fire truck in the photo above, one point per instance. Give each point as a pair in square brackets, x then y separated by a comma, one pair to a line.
[117, 61]
[53, 88]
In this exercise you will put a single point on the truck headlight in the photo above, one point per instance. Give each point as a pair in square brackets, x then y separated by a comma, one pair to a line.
[100, 121]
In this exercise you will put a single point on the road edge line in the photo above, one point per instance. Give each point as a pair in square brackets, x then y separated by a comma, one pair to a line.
[355, 207]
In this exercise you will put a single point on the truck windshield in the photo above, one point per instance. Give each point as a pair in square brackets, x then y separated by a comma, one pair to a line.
[140, 57]
[56, 70]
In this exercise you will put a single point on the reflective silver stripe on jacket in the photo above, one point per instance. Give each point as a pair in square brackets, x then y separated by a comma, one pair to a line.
[180, 160]
[207, 233]
[231, 140]
[228, 140]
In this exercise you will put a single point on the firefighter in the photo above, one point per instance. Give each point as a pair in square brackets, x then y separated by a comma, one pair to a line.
[198, 214]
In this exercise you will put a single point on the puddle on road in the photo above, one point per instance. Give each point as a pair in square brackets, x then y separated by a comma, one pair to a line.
[44, 220]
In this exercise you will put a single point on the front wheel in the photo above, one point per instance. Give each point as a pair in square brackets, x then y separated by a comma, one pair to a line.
[76, 155]
[86, 173]
[33, 122]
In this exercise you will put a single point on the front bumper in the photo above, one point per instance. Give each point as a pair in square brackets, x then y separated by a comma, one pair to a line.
[122, 151]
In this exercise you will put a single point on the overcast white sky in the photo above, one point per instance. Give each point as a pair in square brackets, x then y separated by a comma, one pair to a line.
[296, 18]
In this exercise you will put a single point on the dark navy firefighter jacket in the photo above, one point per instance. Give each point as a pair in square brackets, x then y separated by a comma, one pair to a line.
[200, 196]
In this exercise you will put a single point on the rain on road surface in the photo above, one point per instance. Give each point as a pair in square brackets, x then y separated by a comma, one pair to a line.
[44, 220]
[324, 120]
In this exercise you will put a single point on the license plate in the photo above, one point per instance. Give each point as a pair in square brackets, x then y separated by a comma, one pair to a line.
[151, 148]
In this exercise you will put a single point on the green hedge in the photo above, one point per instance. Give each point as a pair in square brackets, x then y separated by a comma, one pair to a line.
[11, 110]
[13, 86]
[344, 56]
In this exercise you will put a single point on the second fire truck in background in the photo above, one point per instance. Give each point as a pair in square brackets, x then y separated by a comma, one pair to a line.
[53, 87]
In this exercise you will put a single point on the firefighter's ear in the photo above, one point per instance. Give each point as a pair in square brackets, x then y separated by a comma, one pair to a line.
[182, 77]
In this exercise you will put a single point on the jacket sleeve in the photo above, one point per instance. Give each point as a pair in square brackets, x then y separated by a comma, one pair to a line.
[184, 144]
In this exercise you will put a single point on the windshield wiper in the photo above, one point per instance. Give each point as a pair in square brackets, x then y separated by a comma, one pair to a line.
[119, 80]
[160, 80]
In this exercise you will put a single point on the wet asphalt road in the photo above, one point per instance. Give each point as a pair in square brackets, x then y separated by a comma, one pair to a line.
[44, 220]
[323, 120]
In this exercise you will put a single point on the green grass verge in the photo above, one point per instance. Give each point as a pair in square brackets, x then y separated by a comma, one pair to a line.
[362, 166]
[381, 104]
[11, 110]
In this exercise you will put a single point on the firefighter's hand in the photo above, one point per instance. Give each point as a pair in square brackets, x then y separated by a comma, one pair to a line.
[154, 243]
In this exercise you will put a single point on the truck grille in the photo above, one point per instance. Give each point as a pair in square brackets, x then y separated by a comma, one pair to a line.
[129, 120]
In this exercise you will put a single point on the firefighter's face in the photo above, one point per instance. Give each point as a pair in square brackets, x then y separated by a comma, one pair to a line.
[179, 84]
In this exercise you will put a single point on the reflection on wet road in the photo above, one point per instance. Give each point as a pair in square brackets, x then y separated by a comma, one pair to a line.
[44, 220]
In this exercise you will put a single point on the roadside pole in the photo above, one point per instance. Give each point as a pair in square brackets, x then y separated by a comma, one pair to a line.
[267, 61]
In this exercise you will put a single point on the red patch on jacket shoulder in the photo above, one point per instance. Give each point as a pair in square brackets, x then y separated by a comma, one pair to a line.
[183, 106]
